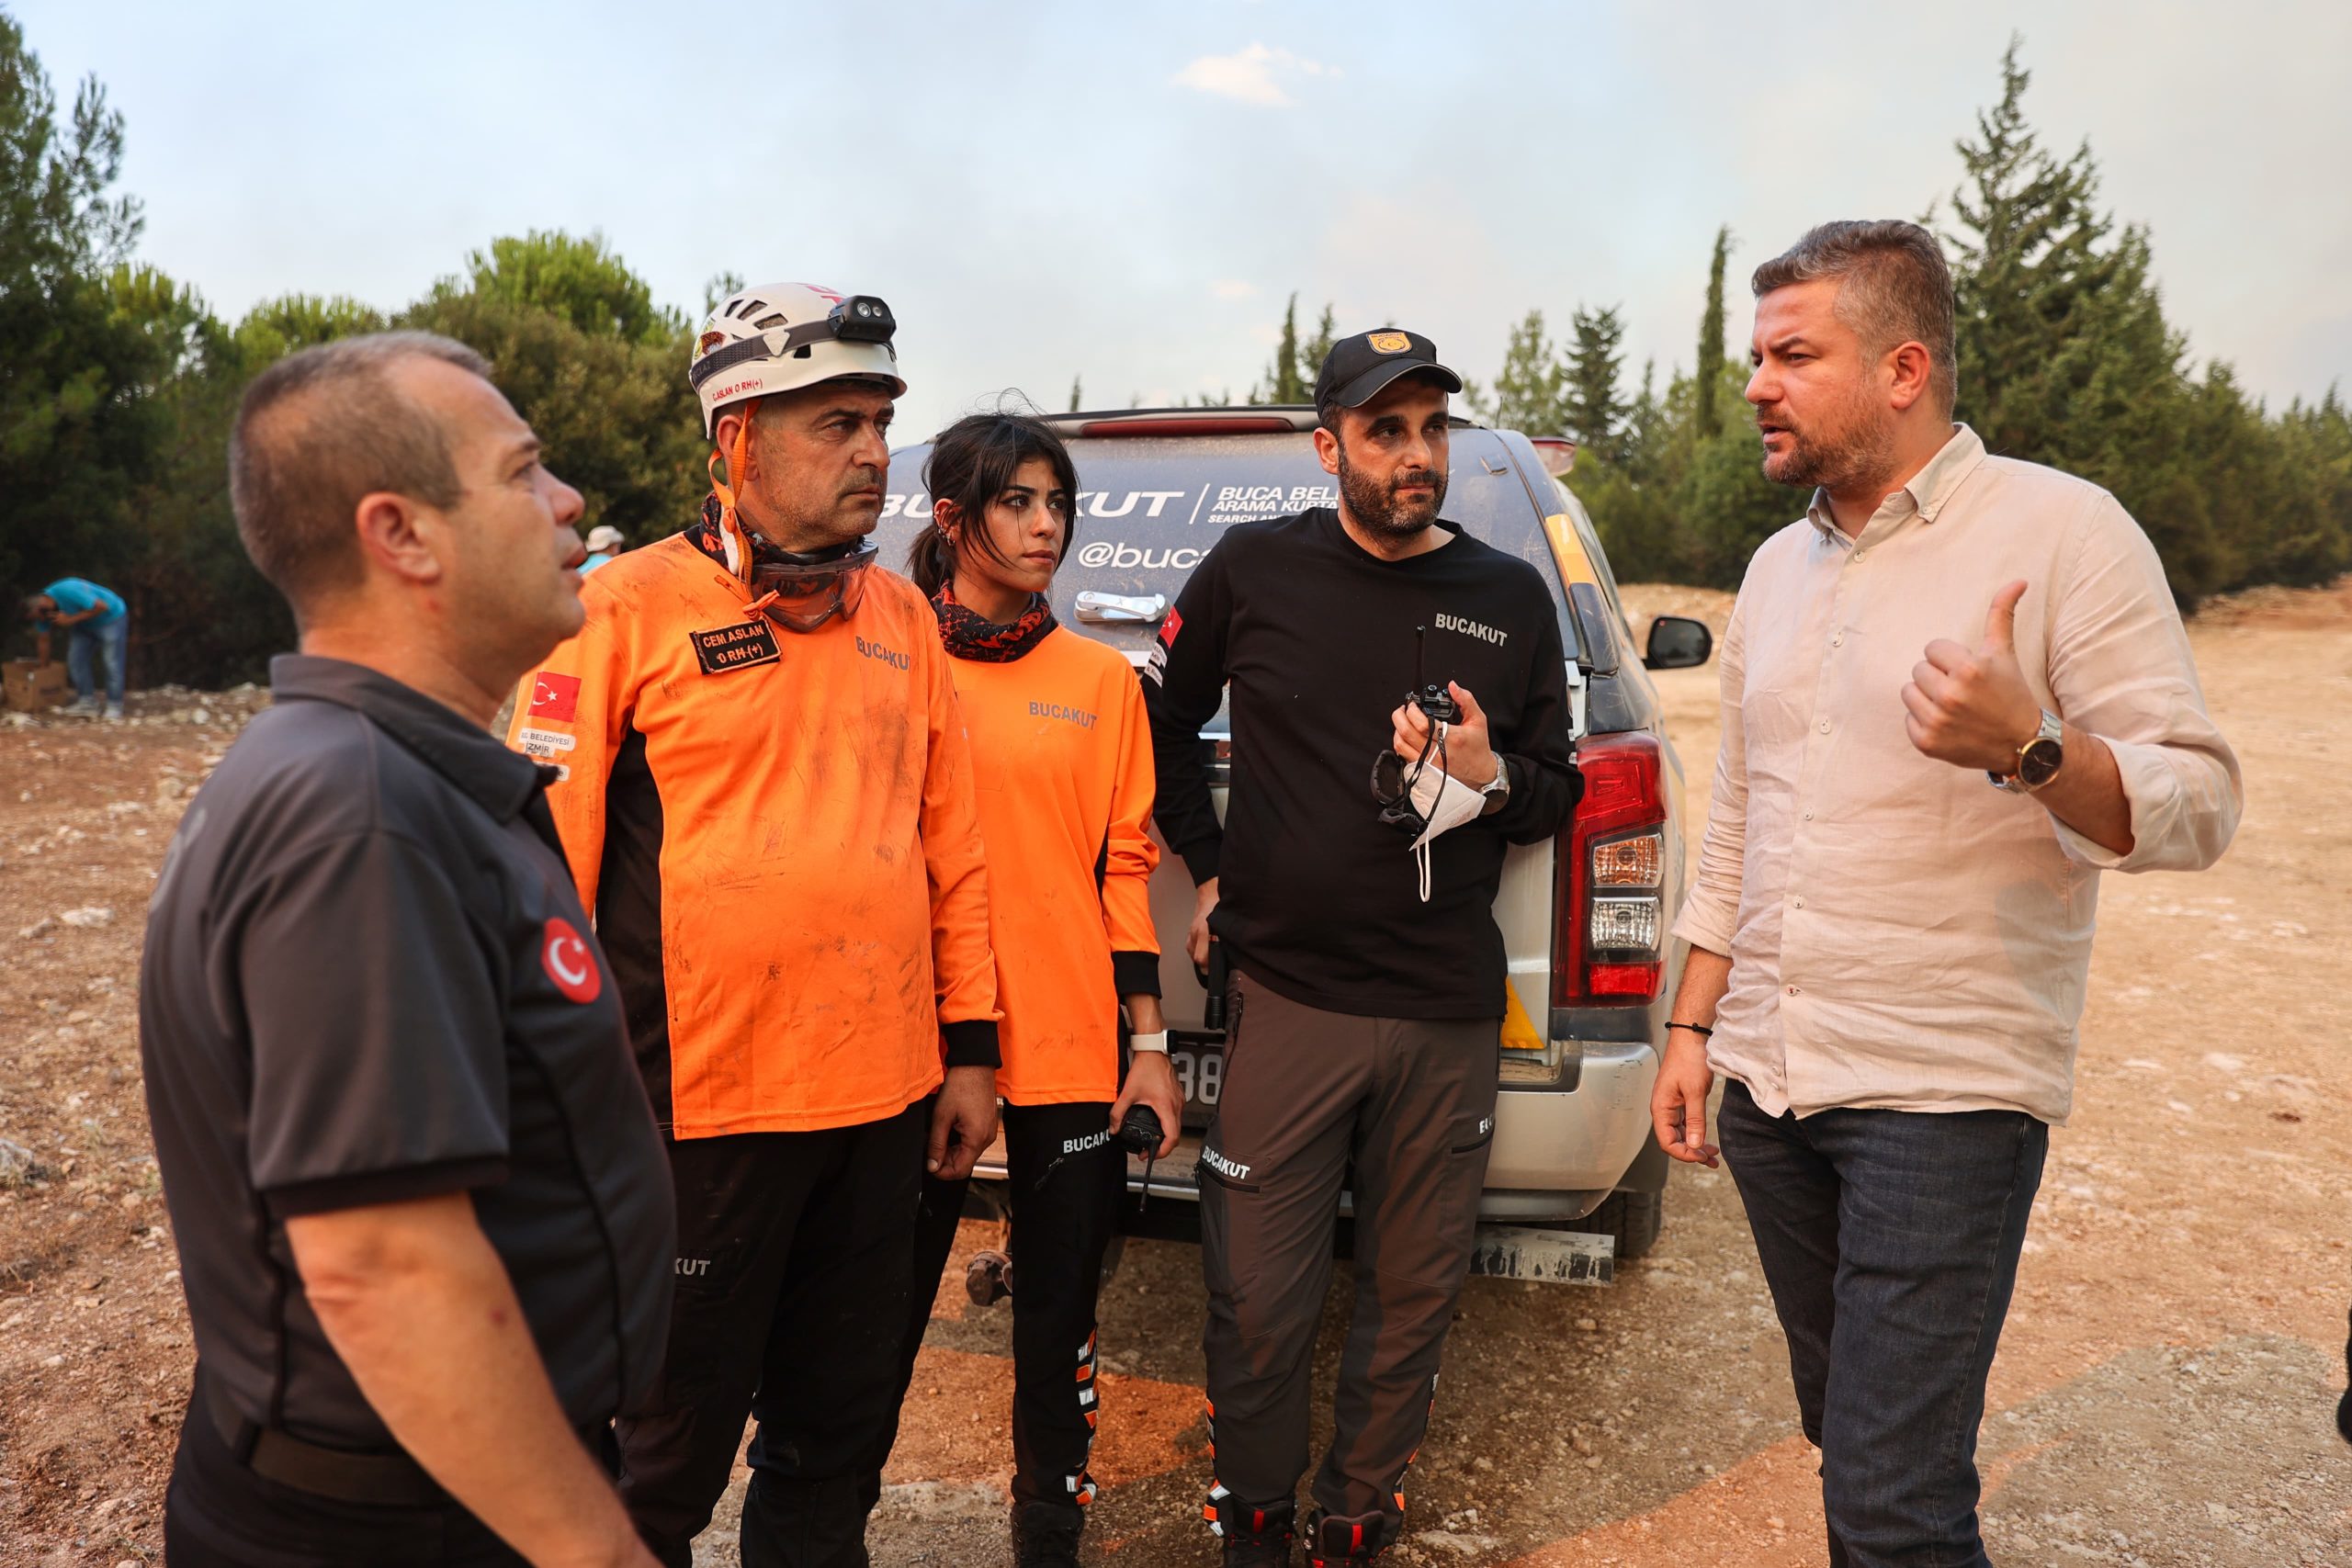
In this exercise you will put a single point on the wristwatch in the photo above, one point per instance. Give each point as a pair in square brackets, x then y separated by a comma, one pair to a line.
[1497, 790]
[2039, 759]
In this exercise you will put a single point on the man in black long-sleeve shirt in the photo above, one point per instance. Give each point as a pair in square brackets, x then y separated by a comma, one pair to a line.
[1369, 987]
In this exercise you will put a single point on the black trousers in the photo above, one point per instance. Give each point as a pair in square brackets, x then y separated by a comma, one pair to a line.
[1408, 1105]
[218, 1514]
[1066, 1177]
[792, 1279]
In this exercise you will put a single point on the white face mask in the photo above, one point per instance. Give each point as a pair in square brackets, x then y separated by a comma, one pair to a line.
[1444, 803]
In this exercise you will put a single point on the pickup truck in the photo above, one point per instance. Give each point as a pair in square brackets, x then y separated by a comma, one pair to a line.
[1575, 1180]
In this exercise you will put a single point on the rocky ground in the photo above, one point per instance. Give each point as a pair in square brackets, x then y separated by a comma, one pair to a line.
[2163, 1396]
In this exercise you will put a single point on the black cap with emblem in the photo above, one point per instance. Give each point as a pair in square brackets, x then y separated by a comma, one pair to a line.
[1358, 368]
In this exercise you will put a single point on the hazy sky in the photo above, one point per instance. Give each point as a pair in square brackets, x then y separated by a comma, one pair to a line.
[1130, 191]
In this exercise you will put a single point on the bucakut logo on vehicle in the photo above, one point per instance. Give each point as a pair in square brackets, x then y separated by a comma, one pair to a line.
[1104, 503]
[1122, 556]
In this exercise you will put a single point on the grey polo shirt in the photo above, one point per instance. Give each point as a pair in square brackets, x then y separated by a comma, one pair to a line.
[369, 978]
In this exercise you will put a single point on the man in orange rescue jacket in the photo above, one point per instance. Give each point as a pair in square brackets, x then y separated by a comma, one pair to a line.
[768, 804]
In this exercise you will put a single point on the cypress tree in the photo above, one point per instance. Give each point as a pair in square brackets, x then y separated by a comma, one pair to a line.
[1708, 418]
[1283, 382]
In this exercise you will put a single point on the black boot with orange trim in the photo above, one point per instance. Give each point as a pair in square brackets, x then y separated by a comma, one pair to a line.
[1045, 1535]
[1255, 1536]
[1334, 1541]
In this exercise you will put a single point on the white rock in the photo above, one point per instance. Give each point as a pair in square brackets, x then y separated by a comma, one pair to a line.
[87, 917]
[1458, 1544]
[37, 929]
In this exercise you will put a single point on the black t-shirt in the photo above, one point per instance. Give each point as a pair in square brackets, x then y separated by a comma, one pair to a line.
[369, 978]
[1318, 898]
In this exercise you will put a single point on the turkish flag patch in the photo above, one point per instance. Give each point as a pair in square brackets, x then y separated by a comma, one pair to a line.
[1170, 627]
[555, 697]
[565, 955]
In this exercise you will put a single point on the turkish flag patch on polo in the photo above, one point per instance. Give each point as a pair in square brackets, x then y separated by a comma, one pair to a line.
[555, 697]
[1170, 627]
[565, 955]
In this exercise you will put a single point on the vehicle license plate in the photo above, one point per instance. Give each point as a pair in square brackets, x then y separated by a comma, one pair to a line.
[1200, 1074]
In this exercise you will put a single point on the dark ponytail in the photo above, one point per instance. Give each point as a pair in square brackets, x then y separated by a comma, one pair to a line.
[972, 462]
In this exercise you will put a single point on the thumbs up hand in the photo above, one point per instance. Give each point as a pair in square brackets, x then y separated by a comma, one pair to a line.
[1974, 709]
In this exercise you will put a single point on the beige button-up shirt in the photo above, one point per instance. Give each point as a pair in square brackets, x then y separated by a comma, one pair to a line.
[1901, 933]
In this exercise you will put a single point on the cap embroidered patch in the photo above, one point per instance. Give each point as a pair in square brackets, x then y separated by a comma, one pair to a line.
[1389, 342]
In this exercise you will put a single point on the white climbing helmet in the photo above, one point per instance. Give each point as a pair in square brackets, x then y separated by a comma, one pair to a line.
[778, 336]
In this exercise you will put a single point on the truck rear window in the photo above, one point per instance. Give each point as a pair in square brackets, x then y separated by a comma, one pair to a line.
[1150, 508]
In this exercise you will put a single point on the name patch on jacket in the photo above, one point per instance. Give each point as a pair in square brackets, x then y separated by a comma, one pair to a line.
[738, 647]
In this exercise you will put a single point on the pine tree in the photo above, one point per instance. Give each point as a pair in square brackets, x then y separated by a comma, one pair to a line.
[1317, 349]
[2066, 357]
[1591, 410]
[1527, 391]
[1283, 382]
[1705, 414]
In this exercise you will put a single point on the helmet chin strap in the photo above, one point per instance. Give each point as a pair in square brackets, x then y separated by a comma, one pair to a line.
[730, 525]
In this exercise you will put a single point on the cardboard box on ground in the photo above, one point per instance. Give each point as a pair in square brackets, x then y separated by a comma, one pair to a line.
[32, 687]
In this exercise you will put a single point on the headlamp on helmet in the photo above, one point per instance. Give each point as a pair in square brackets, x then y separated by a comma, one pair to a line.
[779, 337]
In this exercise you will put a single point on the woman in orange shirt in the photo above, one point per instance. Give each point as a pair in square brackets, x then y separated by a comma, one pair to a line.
[1061, 759]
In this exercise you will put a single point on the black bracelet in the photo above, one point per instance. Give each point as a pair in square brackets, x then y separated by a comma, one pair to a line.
[1698, 1028]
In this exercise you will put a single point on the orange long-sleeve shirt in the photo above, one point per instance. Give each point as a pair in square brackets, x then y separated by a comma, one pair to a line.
[1061, 749]
[778, 835]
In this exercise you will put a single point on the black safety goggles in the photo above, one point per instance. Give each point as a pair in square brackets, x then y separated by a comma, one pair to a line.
[803, 595]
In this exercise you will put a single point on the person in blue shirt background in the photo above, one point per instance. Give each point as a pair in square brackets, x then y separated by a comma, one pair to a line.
[97, 621]
[605, 542]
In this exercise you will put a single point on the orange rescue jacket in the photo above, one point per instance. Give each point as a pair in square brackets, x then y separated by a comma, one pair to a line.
[1062, 752]
[777, 833]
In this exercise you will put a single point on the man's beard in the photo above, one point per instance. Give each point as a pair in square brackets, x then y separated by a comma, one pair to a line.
[1376, 506]
[801, 522]
[1855, 450]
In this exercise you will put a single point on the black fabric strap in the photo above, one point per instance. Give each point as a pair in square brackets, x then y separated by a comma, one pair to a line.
[391, 1480]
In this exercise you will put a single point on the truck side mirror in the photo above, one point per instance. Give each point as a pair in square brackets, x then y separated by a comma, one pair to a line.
[1677, 642]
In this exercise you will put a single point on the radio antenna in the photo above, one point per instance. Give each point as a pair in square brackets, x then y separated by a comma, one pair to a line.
[1420, 644]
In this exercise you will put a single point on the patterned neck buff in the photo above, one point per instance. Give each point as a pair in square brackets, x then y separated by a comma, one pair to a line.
[965, 636]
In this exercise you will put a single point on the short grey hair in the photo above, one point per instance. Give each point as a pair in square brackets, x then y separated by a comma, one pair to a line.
[1893, 288]
[318, 431]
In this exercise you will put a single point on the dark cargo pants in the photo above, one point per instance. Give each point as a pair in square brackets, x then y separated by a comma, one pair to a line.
[792, 1279]
[1409, 1105]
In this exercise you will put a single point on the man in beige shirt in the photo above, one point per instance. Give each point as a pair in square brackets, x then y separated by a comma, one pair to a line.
[1953, 693]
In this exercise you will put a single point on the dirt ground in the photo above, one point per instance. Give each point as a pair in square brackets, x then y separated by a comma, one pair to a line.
[2163, 1397]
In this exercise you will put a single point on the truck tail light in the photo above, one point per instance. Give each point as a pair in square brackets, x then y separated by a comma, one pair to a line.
[1608, 911]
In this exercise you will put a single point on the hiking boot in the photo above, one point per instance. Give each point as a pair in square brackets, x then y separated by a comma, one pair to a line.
[1334, 1541]
[1045, 1535]
[80, 707]
[114, 713]
[987, 1278]
[1255, 1537]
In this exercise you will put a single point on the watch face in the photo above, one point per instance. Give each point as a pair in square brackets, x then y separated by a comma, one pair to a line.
[2037, 763]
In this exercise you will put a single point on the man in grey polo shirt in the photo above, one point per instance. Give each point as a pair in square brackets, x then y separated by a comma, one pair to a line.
[425, 1220]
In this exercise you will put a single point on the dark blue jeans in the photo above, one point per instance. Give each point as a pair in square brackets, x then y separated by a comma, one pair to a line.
[108, 645]
[1890, 1240]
